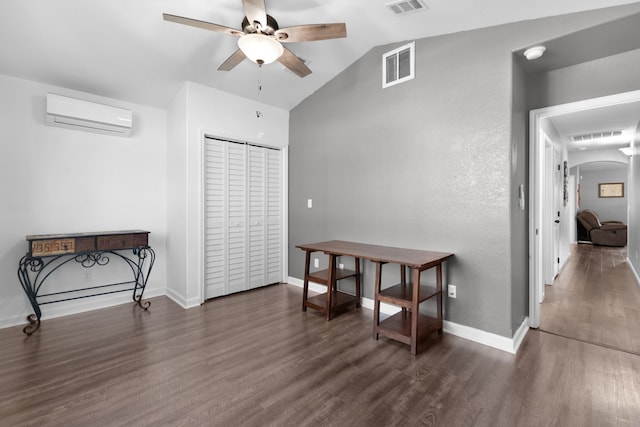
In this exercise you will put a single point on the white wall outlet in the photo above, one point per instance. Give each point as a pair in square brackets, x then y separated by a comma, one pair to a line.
[451, 291]
[341, 266]
[309, 203]
[316, 263]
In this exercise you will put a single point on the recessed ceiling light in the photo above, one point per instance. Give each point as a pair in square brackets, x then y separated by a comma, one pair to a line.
[534, 52]
[629, 151]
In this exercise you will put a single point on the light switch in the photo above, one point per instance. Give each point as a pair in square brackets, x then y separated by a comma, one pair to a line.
[309, 203]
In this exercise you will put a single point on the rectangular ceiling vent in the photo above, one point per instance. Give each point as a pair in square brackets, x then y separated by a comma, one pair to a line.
[597, 136]
[403, 7]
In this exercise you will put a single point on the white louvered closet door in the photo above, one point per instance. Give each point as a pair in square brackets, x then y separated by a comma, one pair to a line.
[273, 216]
[243, 217]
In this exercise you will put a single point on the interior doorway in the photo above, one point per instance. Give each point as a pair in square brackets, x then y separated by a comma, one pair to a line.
[540, 229]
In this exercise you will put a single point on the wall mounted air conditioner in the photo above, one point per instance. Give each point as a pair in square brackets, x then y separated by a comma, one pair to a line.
[71, 113]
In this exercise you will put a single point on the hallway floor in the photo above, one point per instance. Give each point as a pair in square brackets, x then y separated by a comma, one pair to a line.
[595, 299]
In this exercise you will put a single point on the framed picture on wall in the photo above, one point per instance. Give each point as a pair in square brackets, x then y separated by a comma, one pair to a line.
[611, 189]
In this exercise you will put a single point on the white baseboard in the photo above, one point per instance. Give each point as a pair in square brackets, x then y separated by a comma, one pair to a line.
[633, 270]
[68, 308]
[499, 342]
[181, 300]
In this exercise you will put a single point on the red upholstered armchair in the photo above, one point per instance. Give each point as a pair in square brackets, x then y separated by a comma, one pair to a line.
[607, 233]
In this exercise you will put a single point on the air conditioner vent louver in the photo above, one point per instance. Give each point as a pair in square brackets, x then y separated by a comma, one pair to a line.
[402, 7]
[596, 135]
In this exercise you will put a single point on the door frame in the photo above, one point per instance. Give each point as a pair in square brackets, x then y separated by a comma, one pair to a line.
[537, 182]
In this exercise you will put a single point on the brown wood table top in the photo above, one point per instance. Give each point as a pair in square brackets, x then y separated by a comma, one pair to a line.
[412, 258]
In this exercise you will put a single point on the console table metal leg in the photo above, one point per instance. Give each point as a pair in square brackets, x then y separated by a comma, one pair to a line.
[34, 265]
[140, 277]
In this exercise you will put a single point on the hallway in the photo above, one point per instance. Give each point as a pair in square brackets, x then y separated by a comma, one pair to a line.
[595, 299]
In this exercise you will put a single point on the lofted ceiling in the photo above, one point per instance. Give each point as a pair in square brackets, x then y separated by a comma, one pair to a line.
[123, 49]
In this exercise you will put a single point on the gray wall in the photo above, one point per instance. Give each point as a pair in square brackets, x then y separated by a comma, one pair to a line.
[608, 209]
[519, 218]
[606, 76]
[433, 163]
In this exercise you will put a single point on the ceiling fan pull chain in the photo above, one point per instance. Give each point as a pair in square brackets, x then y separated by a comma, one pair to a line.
[258, 112]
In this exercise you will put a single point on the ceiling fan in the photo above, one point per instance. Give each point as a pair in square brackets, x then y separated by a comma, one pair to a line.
[261, 39]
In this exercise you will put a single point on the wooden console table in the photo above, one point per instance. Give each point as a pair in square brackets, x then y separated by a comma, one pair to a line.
[49, 252]
[409, 325]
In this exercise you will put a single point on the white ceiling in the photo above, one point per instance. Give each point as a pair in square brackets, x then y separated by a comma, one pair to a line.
[123, 49]
[602, 119]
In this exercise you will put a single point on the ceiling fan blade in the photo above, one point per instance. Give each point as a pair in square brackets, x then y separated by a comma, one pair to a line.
[255, 10]
[295, 64]
[235, 58]
[202, 24]
[307, 33]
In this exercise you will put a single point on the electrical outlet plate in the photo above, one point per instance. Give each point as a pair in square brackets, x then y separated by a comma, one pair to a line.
[316, 263]
[451, 291]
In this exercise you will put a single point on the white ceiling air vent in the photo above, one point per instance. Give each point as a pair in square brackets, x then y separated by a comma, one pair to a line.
[402, 7]
[78, 114]
[597, 136]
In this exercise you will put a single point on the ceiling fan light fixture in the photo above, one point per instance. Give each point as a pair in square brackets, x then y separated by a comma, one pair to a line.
[260, 48]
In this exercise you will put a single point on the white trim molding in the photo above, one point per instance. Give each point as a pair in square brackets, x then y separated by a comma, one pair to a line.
[633, 270]
[479, 336]
[68, 308]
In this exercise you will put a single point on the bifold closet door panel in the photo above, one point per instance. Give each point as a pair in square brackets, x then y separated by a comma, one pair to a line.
[273, 220]
[243, 217]
[215, 202]
[237, 219]
[257, 207]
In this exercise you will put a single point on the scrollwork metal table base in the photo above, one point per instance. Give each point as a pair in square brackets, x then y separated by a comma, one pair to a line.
[33, 272]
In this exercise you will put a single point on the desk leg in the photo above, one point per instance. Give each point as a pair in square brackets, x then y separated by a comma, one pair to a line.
[403, 282]
[358, 295]
[415, 311]
[305, 288]
[331, 284]
[376, 301]
[439, 297]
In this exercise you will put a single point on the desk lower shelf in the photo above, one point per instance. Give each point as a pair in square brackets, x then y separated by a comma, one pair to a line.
[339, 301]
[398, 326]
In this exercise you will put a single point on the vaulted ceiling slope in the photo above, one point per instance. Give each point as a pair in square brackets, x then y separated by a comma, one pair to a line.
[124, 49]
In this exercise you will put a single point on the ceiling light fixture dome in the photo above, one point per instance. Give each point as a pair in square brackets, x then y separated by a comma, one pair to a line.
[260, 48]
[534, 52]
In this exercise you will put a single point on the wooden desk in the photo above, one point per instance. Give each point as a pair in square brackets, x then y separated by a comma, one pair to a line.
[409, 325]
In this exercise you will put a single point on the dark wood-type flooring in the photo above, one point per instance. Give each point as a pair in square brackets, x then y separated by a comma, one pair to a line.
[255, 359]
[596, 299]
